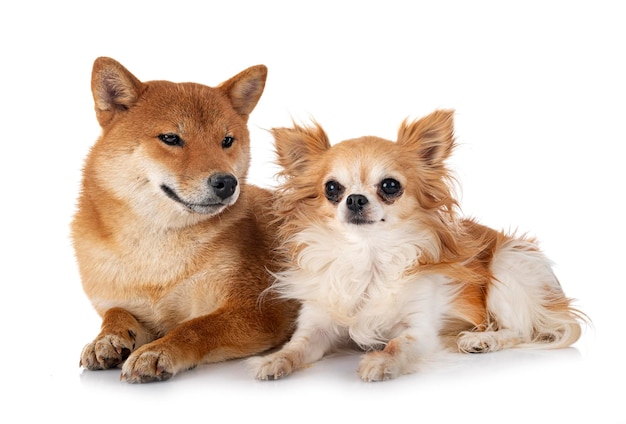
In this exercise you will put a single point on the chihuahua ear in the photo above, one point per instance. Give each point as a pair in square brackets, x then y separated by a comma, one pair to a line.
[296, 146]
[244, 89]
[113, 87]
[432, 137]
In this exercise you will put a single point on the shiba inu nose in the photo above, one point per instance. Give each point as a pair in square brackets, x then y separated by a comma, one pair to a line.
[356, 202]
[223, 185]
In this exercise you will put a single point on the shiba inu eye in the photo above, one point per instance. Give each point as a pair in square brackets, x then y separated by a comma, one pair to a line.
[171, 139]
[389, 188]
[228, 141]
[333, 191]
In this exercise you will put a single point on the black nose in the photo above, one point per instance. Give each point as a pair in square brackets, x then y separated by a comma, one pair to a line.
[356, 202]
[224, 185]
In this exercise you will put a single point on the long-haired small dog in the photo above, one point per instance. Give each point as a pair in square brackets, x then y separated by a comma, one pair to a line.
[379, 256]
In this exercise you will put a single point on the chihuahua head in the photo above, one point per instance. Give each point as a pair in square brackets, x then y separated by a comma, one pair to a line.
[367, 182]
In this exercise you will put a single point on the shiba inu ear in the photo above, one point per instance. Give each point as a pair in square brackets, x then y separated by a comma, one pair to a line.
[244, 89]
[296, 146]
[113, 87]
[431, 137]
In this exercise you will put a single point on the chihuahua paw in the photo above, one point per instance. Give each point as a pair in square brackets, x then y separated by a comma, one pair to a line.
[271, 367]
[479, 341]
[379, 366]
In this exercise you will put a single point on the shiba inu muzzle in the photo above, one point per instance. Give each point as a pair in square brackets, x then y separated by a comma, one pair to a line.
[220, 191]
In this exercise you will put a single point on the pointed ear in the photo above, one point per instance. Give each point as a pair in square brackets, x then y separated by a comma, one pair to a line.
[114, 89]
[296, 146]
[431, 137]
[244, 89]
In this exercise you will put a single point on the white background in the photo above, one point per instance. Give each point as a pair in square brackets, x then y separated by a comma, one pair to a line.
[539, 89]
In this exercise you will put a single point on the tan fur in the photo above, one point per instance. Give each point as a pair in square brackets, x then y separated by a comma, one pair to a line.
[176, 284]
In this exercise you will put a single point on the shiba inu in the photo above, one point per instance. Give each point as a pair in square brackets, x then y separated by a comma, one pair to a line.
[172, 245]
[379, 256]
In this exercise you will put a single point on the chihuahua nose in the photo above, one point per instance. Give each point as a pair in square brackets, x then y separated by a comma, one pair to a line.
[223, 185]
[356, 202]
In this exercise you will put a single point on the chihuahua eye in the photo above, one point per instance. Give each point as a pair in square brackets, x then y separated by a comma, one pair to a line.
[171, 139]
[333, 191]
[228, 141]
[389, 188]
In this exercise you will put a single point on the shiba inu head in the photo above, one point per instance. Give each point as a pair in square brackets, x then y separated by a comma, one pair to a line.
[172, 150]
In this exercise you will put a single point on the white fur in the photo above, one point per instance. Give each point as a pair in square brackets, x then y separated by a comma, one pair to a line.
[523, 284]
[353, 286]
[352, 283]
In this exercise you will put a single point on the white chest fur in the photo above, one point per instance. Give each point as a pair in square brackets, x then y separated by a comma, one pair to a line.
[357, 278]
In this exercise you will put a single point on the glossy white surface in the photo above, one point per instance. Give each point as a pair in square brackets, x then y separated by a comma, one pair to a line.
[539, 91]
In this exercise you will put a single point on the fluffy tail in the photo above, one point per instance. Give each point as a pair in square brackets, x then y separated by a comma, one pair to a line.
[525, 303]
[558, 331]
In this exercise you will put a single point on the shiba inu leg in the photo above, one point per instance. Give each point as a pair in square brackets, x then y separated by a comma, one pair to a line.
[120, 335]
[312, 339]
[225, 334]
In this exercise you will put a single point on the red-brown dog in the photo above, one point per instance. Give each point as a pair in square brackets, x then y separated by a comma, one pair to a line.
[173, 246]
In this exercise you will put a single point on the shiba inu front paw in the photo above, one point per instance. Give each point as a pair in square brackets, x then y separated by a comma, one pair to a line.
[271, 367]
[106, 352]
[149, 363]
[379, 366]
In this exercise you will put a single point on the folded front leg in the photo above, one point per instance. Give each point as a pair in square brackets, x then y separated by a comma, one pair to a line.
[224, 334]
[120, 335]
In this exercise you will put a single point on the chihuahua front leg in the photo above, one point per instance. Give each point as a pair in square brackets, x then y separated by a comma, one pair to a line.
[400, 356]
[304, 348]
[311, 340]
[120, 335]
